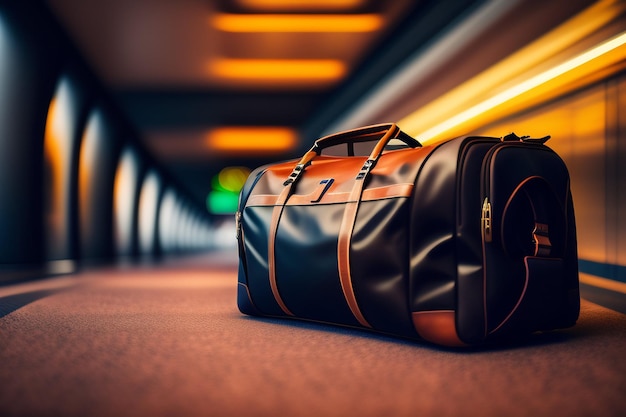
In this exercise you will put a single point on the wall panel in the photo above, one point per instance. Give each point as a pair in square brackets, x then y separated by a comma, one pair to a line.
[30, 59]
[150, 195]
[620, 177]
[62, 136]
[125, 202]
[97, 163]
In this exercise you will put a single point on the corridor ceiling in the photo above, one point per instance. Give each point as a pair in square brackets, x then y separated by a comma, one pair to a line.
[181, 70]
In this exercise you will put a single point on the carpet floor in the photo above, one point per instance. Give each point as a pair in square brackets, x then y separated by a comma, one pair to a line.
[168, 340]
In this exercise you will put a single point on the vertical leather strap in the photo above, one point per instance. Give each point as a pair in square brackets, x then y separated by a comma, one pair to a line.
[279, 206]
[343, 251]
[347, 226]
[271, 255]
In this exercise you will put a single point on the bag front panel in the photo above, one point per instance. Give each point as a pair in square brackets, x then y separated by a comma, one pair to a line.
[306, 263]
[255, 221]
[379, 264]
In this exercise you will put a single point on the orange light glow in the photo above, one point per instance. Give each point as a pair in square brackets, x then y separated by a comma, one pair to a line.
[532, 73]
[279, 5]
[280, 70]
[251, 139]
[329, 23]
[58, 149]
[147, 218]
[497, 106]
[605, 283]
[85, 173]
[124, 188]
[54, 159]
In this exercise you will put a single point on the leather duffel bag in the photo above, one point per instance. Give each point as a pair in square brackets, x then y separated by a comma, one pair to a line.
[456, 243]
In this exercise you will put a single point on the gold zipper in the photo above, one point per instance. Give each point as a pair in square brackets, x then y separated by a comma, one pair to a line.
[485, 220]
[238, 224]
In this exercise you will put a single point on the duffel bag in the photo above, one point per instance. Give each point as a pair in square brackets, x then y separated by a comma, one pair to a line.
[456, 243]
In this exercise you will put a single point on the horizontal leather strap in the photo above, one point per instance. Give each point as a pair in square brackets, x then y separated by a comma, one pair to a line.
[373, 194]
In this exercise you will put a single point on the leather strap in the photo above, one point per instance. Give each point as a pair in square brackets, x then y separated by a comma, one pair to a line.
[347, 226]
[343, 251]
[271, 255]
[541, 231]
[276, 214]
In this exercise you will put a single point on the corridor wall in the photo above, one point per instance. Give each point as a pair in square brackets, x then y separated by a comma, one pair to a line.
[72, 168]
[97, 162]
[30, 60]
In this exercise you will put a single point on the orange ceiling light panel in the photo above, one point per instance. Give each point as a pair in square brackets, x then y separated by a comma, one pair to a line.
[308, 5]
[278, 69]
[297, 23]
[251, 139]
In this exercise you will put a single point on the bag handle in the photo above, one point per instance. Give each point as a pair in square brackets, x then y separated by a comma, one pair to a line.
[512, 137]
[364, 134]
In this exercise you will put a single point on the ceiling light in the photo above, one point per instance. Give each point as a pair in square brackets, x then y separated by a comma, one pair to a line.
[254, 23]
[251, 139]
[277, 69]
[279, 5]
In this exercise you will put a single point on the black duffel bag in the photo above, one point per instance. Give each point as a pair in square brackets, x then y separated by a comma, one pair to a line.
[456, 243]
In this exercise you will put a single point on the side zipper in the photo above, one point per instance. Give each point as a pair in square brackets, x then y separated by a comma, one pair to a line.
[487, 209]
[238, 225]
[487, 230]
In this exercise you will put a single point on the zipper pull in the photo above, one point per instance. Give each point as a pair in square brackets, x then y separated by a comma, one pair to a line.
[485, 221]
[512, 137]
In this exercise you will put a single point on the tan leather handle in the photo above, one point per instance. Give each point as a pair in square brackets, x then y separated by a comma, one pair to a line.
[364, 134]
[391, 133]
